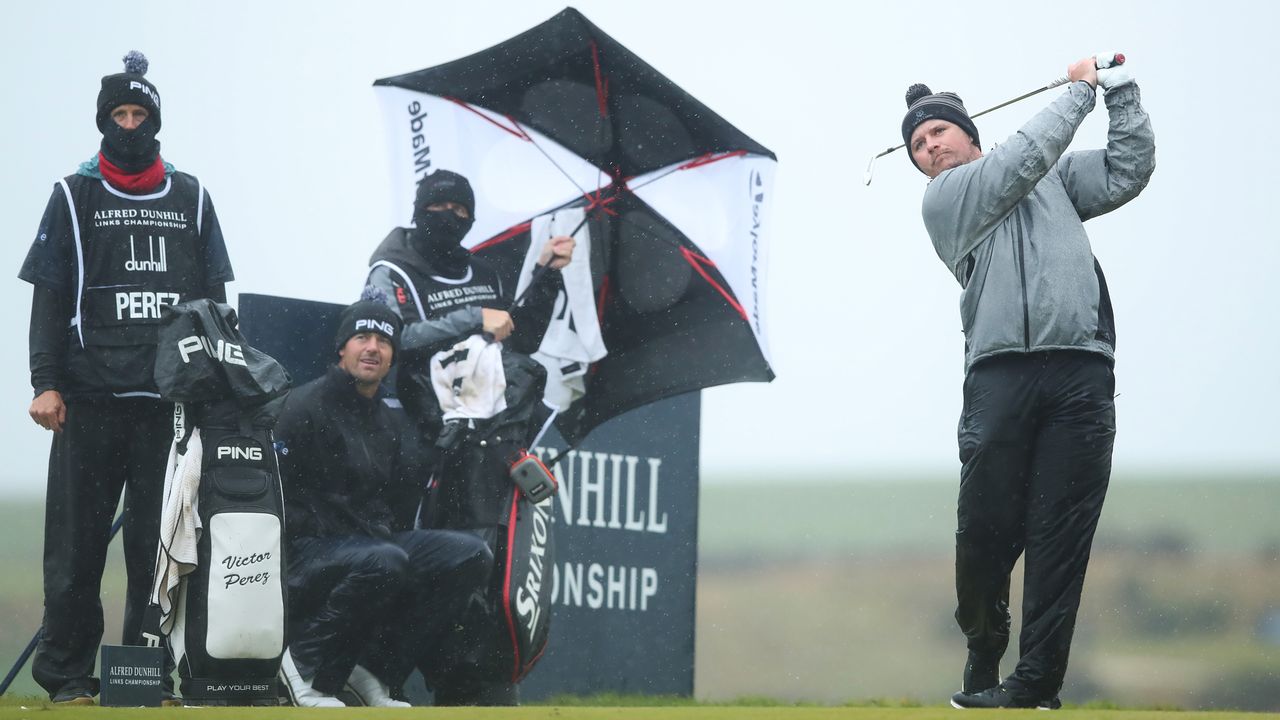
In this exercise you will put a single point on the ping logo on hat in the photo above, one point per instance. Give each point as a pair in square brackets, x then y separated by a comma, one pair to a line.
[145, 89]
[370, 324]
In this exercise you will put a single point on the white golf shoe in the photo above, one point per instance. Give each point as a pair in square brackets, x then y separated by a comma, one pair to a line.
[371, 691]
[300, 690]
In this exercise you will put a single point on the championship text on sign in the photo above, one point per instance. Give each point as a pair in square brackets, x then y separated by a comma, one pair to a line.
[131, 675]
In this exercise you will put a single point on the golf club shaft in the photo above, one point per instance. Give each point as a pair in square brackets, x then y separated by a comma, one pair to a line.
[870, 165]
[1116, 59]
[1060, 81]
[35, 639]
[21, 661]
[534, 278]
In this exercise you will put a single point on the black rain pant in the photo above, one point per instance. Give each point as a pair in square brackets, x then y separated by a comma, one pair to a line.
[1036, 436]
[105, 446]
[378, 603]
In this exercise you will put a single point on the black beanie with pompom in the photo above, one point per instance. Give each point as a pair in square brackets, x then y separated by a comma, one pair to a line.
[370, 314]
[128, 88]
[924, 104]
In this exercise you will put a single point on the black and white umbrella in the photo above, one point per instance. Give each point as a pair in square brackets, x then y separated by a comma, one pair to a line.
[677, 199]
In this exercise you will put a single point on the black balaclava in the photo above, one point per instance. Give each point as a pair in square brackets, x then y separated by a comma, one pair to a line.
[437, 234]
[130, 150]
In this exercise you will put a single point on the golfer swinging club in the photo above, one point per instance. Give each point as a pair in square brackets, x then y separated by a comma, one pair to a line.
[1038, 424]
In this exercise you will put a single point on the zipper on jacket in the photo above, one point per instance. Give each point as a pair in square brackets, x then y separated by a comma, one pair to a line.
[1022, 272]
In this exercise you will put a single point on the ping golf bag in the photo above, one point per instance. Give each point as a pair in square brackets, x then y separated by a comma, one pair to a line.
[220, 588]
[475, 487]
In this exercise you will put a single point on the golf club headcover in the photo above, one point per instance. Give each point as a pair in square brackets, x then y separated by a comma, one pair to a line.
[1112, 70]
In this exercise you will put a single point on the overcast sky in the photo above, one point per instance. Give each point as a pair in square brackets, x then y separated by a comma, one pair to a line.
[270, 105]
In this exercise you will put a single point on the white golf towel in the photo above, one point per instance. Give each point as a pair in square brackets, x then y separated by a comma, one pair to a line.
[573, 339]
[469, 380]
[179, 526]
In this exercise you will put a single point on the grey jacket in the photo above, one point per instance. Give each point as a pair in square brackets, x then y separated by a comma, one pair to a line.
[426, 334]
[1009, 226]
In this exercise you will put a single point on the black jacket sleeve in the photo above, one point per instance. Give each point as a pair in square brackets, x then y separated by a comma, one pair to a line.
[217, 265]
[52, 260]
[293, 434]
[50, 317]
[533, 316]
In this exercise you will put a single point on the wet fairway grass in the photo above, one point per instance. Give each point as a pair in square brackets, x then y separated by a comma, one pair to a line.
[612, 708]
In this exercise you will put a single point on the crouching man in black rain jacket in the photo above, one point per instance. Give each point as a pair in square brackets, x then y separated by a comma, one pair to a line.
[366, 602]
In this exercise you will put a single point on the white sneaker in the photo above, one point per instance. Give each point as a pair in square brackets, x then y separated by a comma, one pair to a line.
[300, 690]
[366, 686]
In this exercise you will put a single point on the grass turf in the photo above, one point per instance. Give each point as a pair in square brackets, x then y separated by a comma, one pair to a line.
[683, 710]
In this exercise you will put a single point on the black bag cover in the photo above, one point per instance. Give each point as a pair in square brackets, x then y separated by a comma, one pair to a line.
[475, 491]
[472, 487]
[229, 627]
[201, 356]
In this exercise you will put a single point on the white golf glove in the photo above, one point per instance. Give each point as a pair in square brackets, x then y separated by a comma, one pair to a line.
[1110, 74]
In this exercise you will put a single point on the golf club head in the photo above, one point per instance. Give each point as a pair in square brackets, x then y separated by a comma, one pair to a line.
[871, 164]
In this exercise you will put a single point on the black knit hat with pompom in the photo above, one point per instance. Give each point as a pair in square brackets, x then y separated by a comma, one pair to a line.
[371, 313]
[128, 88]
[924, 104]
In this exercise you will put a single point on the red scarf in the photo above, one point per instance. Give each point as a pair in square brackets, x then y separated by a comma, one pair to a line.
[139, 183]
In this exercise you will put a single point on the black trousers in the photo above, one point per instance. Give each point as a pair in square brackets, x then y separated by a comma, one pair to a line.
[379, 603]
[1036, 436]
[105, 446]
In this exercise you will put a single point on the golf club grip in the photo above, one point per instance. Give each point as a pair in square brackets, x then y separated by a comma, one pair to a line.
[1116, 59]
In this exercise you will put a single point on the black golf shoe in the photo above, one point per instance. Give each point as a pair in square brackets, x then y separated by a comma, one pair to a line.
[980, 674]
[76, 692]
[1002, 697]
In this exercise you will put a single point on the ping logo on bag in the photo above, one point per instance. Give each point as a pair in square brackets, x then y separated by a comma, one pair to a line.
[223, 351]
[234, 452]
[239, 451]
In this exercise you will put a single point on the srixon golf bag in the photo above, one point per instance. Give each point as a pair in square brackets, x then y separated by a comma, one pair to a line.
[222, 606]
[485, 479]
[526, 556]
